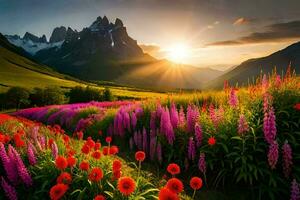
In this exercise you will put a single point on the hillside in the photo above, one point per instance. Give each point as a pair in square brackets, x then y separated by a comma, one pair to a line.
[253, 67]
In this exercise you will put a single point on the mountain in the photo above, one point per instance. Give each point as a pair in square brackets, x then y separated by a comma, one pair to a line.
[252, 68]
[17, 70]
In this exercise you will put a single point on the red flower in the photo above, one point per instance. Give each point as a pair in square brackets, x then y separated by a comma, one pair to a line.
[85, 149]
[100, 133]
[116, 174]
[166, 194]
[113, 150]
[66, 138]
[64, 178]
[105, 150]
[173, 169]
[50, 142]
[140, 156]
[196, 183]
[61, 162]
[96, 174]
[126, 186]
[80, 135]
[99, 197]
[175, 185]
[84, 165]
[90, 142]
[58, 191]
[97, 146]
[96, 155]
[211, 141]
[108, 139]
[297, 106]
[117, 165]
[71, 152]
[71, 161]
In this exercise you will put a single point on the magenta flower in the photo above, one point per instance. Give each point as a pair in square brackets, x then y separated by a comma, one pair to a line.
[133, 120]
[273, 155]
[295, 191]
[269, 126]
[287, 159]
[192, 117]
[54, 150]
[181, 117]
[174, 115]
[10, 191]
[198, 134]
[264, 83]
[233, 99]
[166, 126]
[9, 165]
[243, 126]
[31, 155]
[202, 163]
[191, 149]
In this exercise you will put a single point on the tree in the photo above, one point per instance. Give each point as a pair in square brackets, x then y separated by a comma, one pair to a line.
[107, 94]
[53, 95]
[17, 97]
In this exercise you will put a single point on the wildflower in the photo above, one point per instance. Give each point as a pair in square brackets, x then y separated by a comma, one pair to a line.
[10, 191]
[140, 156]
[287, 159]
[9, 165]
[173, 169]
[54, 150]
[30, 154]
[175, 185]
[174, 115]
[96, 174]
[196, 183]
[116, 175]
[233, 99]
[202, 163]
[133, 120]
[108, 139]
[273, 154]
[117, 164]
[297, 106]
[166, 194]
[58, 191]
[97, 146]
[99, 197]
[145, 140]
[126, 186]
[71, 161]
[166, 126]
[269, 126]
[85, 149]
[64, 178]
[61, 162]
[84, 165]
[243, 126]
[90, 142]
[181, 117]
[191, 149]
[96, 155]
[113, 150]
[198, 134]
[295, 191]
[192, 117]
[211, 141]
[159, 152]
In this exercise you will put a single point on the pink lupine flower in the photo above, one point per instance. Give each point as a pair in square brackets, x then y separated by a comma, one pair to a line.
[166, 126]
[269, 126]
[233, 99]
[264, 83]
[202, 163]
[174, 115]
[243, 126]
[192, 117]
[273, 154]
[181, 117]
[9, 165]
[198, 134]
[277, 81]
[287, 159]
[54, 150]
[133, 120]
[10, 191]
[31, 155]
[191, 149]
[295, 191]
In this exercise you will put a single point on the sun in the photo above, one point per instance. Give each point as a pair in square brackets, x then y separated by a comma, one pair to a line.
[178, 53]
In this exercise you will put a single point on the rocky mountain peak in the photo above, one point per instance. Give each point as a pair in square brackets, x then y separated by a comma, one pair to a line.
[118, 23]
[58, 34]
[30, 36]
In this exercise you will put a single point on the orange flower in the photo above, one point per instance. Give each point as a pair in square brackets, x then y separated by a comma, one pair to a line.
[99, 197]
[84, 165]
[61, 162]
[126, 186]
[108, 139]
[196, 183]
[96, 155]
[173, 169]
[58, 191]
[96, 174]
[140, 156]
[64, 178]
[166, 194]
[113, 150]
[116, 165]
[175, 185]
[211, 141]
[71, 161]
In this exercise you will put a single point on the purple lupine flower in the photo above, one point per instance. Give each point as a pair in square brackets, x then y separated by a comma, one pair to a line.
[152, 145]
[42, 141]
[153, 121]
[133, 120]
[135, 138]
[233, 99]
[21, 168]
[145, 141]
[126, 121]
[287, 159]
[131, 143]
[174, 115]
[202, 163]
[295, 191]
[54, 150]
[181, 120]
[191, 149]
[30, 154]
[159, 152]
[243, 126]
[269, 126]
[10, 191]
[159, 110]
[212, 115]
[266, 101]
[9, 165]
[192, 117]
[198, 134]
[166, 126]
[273, 155]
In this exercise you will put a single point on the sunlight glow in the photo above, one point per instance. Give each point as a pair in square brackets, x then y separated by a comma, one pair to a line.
[178, 53]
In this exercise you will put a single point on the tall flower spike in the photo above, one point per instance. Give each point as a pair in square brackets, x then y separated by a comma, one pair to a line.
[233, 99]
[31, 155]
[9, 165]
[202, 163]
[273, 155]
[287, 159]
[10, 191]
[181, 117]
[243, 126]
[198, 134]
[295, 191]
[54, 150]
[191, 149]
[269, 126]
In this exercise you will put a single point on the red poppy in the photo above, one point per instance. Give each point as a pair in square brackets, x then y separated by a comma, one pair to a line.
[117, 165]
[108, 139]
[61, 162]
[96, 154]
[80, 135]
[99, 197]
[96, 174]
[126, 186]
[140, 156]
[97, 146]
[71, 161]
[50, 142]
[71, 152]
[166, 194]
[64, 178]
[66, 138]
[113, 150]
[85, 149]
[105, 150]
[211, 141]
[116, 174]
[175, 185]
[90, 142]
[173, 169]
[297, 106]
[58, 191]
[196, 183]
[84, 165]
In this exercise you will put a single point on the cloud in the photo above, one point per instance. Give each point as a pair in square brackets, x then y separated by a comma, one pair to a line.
[280, 32]
[241, 21]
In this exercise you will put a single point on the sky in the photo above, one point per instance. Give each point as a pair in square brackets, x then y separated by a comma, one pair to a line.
[213, 33]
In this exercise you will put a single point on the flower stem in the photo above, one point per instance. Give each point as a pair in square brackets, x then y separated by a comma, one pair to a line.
[194, 194]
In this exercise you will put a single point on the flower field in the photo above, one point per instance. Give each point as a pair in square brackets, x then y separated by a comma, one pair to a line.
[244, 140]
